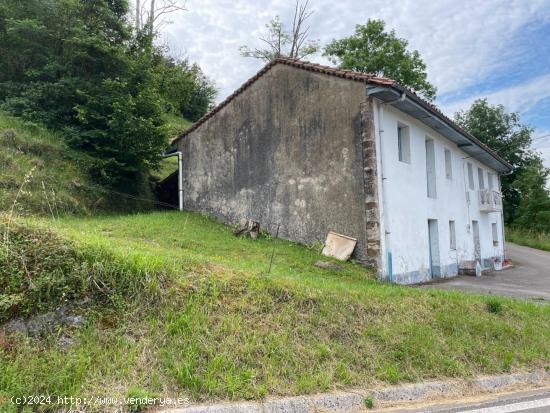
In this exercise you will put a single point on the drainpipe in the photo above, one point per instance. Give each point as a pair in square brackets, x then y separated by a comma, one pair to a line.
[380, 113]
[502, 221]
[180, 175]
[389, 271]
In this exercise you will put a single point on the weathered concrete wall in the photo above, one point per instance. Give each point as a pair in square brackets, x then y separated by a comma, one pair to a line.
[287, 150]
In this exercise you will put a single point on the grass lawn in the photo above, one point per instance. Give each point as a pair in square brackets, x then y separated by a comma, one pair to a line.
[177, 305]
[531, 239]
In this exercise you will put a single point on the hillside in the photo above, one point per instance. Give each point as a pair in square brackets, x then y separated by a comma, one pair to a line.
[175, 304]
[41, 175]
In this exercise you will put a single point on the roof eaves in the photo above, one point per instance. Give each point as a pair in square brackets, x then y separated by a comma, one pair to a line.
[436, 112]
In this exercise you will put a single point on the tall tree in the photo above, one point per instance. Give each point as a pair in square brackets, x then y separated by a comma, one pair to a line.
[79, 68]
[278, 42]
[511, 139]
[534, 206]
[371, 49]
[185, 88]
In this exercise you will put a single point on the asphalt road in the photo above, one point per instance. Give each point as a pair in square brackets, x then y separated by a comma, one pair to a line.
[526, 402]
[530, 277]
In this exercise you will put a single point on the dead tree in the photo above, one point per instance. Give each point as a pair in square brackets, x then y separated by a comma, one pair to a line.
[280, 42]
[151, 17]
[299, 36]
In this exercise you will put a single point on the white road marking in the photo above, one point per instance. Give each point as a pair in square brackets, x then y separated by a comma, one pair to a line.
[515, 407]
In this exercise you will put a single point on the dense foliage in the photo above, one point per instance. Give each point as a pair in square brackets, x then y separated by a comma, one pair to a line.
[526, 198]
[371, 49]
[185, 88]
[79, 67]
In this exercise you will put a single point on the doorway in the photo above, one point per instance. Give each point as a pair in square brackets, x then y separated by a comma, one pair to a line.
[477, 245]
[433, 240]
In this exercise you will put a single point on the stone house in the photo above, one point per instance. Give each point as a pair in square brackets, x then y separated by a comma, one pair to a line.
[317, 149]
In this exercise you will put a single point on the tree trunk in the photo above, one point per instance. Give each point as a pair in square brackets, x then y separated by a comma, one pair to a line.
[151, 18]
[138, 14]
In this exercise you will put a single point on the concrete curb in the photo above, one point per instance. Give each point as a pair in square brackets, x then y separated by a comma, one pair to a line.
[355, 400]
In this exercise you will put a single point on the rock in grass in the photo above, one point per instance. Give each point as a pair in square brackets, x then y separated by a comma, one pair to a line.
[329, 265]
[45, 323]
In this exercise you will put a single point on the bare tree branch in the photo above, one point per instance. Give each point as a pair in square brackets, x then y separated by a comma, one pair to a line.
[151, 20]
[279, 42]
[301, 14]
[151, 17]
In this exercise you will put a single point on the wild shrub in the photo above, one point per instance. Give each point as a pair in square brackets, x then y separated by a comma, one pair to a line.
[80, 68]
[494, 306]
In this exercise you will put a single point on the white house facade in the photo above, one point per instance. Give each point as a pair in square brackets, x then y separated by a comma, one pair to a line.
[440, 208]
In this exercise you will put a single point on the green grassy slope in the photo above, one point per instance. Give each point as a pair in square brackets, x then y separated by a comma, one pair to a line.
[176, 305]
[40, 174]
[176, 125]
[40, 171]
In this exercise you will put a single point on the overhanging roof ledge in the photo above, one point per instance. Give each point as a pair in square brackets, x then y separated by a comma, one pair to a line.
[449, 129]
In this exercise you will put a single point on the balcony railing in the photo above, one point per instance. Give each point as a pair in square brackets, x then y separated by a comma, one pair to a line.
[490, 200]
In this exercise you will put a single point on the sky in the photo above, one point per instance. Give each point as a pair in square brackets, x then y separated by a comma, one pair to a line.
[494, 49]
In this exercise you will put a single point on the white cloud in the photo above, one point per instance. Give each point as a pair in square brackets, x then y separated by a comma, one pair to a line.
[462, 42]
[517, 98]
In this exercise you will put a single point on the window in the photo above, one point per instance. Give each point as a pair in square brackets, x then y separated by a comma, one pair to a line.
[403, 143]
[471, 176]
[495, 233]
[430, 168]
[448, 165]
[452, 235]
[480, 178]
[490, 180]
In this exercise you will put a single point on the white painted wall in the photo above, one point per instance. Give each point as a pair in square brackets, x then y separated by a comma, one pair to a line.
[406, 208]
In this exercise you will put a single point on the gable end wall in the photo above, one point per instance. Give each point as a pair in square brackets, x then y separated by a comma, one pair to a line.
[288, 150]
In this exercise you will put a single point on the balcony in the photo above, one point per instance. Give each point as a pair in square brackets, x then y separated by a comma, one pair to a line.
[490, 200]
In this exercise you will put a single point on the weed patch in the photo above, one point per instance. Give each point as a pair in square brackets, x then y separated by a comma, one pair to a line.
[533, 239]
[494, 306]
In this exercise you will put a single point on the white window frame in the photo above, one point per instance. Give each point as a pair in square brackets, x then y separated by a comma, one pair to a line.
[403, 143]
[494, 230]
[452, 235]
[431, 178]
[491, 180]
[471, 182]
[481, 178]
[448, 163]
